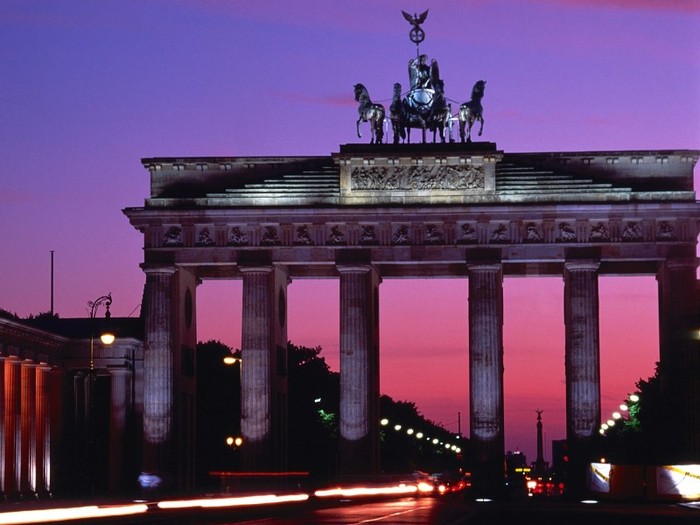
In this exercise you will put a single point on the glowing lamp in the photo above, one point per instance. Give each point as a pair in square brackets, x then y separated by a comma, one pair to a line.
[634, 398]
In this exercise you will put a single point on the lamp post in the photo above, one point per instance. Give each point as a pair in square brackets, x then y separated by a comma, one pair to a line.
[107, 337]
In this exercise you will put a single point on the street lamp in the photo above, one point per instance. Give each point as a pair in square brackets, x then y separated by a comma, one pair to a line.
[107, 338]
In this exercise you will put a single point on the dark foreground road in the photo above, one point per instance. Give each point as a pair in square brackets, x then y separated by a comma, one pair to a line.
[454, 510]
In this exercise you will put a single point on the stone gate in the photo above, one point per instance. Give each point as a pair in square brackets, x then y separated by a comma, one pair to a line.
[373, 212]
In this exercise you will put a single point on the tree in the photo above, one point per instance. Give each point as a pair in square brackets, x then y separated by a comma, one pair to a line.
[313, 407]
[218, 410]
[639, 438]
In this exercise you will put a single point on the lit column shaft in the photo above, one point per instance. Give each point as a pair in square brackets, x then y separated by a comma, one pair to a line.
[158, 360]
[2, 425]
[359, 369]
[582, 364]
[28, 429]
[43, 430]
[263, 368]
[12, 417]
[486, 374]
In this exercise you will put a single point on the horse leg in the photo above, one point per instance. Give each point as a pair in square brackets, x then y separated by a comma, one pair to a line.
[461, 130]
[379, 132]
[359, 135]
[481, 127]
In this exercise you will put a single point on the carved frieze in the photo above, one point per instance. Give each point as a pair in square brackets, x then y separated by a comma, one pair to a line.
[532, 233]
[401, 236]
[238, 237]
[666, 232]
[418, 178]
[566, 233]
[468, 234]
[500, 235]
[204, 238]
[368, 235]
[303, 238]
[336, 237]
[270, 237]
[173, 236]
[599, 233]
[433, 235]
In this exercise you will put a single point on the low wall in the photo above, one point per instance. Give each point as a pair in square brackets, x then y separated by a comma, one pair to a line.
[652, 483]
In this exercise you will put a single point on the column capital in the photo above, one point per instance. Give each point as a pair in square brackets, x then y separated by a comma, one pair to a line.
[261, 268]
[485, 267]
[151, 268]
[357, 268]
[591, 266]
[674, 263]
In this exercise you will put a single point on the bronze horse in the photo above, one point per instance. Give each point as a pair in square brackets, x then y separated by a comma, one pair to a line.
[441, 113]
[471, 111]
[369, 112]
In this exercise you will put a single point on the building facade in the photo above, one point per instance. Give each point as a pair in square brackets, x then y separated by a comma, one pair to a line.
[66, 429]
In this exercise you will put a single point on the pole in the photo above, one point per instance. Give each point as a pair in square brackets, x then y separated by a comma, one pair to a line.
[52, 283]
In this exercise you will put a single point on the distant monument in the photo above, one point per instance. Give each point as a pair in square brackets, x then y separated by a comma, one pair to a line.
[425, 105]
[540, 466]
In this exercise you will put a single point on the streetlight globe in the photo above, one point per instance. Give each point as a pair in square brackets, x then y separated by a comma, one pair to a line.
[610, 423]
[107, 338]
[616, 415]
[624, 407]
[634, 398]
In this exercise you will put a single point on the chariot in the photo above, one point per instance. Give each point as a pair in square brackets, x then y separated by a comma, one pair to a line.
[424, 106]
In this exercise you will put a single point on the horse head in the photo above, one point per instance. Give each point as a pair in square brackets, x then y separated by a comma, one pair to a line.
[360, 90]
[478, 90]
[397, 91]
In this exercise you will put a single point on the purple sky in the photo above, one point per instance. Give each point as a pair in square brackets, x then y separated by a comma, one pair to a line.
[89, 88]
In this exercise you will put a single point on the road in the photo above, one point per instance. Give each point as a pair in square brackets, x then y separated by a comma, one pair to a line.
[433, 511]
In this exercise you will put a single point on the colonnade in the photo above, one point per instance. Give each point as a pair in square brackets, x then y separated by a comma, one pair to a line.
[264, 339]
[36, 433]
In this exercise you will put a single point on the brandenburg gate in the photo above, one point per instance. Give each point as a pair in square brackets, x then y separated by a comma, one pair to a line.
[385, 211]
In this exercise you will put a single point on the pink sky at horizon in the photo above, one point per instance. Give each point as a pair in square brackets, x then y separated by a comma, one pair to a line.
[90, 88]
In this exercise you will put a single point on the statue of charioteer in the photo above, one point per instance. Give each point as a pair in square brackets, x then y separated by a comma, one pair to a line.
[425, 105]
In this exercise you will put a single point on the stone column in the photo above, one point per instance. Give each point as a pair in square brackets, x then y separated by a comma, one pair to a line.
[2, 426]
[43, 430]
[158, 383]
[12, 427]
[486, 376]
[359, 370]
[27, 484]
[679, 367]
[119, 413]
[582, 366]
[264, 367]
